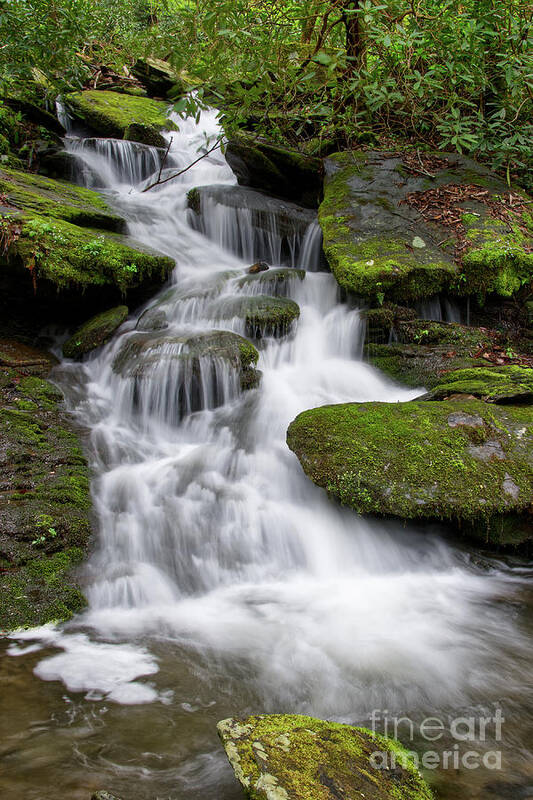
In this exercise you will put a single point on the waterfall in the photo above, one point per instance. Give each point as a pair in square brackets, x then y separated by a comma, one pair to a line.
[218, 569]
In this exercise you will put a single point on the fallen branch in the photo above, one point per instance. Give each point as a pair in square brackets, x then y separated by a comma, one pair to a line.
[159, 182]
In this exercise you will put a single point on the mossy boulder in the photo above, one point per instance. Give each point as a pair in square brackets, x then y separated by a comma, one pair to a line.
[141, 357]
[293, 757]
[95, 332]
[263, 315]
[54, 271]
[277, 170]
[158, 77]
[381, 248]
[57, 199]
[425, 352]
[274, 282]
[505, 384]
[44, 494]
[111, 114]
[466, 461]
[144, 134]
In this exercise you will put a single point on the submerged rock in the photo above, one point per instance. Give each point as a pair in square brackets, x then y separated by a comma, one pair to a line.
[276, 170]
[380, 246]
[293, 757]
[112, 114]
[463, 461]
[95, 332]
[44, 494]
[263, 315]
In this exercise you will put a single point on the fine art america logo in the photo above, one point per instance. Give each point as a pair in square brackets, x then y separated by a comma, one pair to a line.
[462, 731]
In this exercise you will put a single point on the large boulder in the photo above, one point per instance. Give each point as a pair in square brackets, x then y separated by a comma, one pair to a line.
[44, 494]
[57, 199]
[274, 169]
[293, 757]
[158, 77]
[263, 315]
[463, 461]
[95, 332]
[395, 231]
[114, 114]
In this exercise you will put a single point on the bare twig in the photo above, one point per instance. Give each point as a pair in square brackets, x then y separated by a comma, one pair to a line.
[159, 182]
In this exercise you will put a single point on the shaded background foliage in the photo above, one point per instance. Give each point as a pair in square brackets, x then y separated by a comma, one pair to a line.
[440, 73]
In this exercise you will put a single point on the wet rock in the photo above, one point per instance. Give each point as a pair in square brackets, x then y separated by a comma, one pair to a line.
[381, 248]
[95, 332]
[292, 757]
[111, 113]
[157, 76]
[264, 210]
[44, 494]
[104, 796]
[259, 266]
[281, 172]
[462, 461]
[143, 356]
[263, 315]
[145, 134]
[276, 282]
[153, 319]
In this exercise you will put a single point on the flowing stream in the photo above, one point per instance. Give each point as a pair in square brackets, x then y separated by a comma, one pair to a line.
[221, 580]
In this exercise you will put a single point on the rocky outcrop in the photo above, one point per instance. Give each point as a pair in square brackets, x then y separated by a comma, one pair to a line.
[509, 384]
[276, 170]
[384, 242]
[61, 257]
[114, 114]
[463, 461]
[293, 757]
[44, 494]
[95, 332]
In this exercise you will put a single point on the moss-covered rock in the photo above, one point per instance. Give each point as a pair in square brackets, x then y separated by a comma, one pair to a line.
[95, 332]
[57, 199]
[293, 757]
[274, 282]
[158, 77]
[111, 113]
[276, 170]
[425, 352]
[56, 271]
[145, 134]
[44, 494]
[506, 384]
[263, 315]
[380, 246]
[462, 461]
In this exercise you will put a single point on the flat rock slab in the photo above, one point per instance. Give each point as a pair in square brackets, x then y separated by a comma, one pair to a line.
[380, 247]
[292, 757]
[462, 460]
[506, 384]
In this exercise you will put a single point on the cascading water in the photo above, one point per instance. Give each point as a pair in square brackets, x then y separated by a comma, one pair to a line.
[219, 570]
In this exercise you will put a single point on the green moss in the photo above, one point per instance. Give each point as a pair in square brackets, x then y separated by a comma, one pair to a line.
[491, 384]
[42, 591]
[497, 260]
[263, 315]
[67, 255]
[412, 460]
[145, 134]
[95, 332]
[293, 757]
[248, 354]
[57, 199]
[111, 114]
